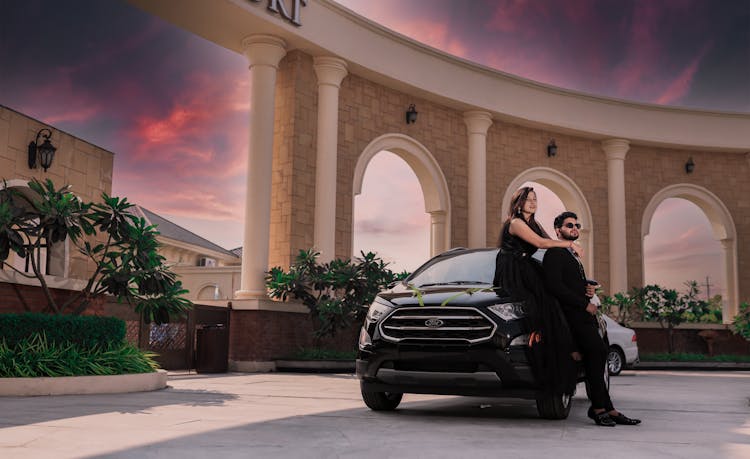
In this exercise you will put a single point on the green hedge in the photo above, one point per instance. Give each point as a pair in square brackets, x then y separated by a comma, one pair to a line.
[35, 356]
[83, 331]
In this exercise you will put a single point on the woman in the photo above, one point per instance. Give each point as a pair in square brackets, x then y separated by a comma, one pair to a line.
[520, 277]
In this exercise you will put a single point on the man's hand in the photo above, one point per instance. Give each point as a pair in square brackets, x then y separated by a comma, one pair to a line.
[591, 309]
[590, 290]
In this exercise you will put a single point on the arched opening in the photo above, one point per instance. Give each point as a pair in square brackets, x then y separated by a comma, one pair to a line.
[389, 216]
[430, 179]
[680, 247]
[52, 259]
[550, 206]
[558, 193]
[701, 218]
[209, 292]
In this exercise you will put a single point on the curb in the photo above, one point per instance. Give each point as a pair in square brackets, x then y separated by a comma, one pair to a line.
[701, 366]
[82, 385]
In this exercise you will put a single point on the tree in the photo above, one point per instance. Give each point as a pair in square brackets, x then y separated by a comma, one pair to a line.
[120, 245]
[337, 292]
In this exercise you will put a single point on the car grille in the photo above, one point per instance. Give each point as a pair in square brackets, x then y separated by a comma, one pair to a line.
[441, 323]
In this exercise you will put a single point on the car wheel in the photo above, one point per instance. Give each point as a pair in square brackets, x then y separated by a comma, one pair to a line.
[381, 401]
[554, 406]
[615, 361]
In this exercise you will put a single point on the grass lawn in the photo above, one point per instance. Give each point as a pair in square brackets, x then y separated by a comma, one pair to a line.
[683, 357]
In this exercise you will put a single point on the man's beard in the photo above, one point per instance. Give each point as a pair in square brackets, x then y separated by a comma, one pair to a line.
[569, 237]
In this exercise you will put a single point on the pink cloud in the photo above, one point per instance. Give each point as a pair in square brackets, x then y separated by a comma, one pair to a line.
[205, 108]
[643, 50]
[73, 114]
[513, 16]
[681, 85]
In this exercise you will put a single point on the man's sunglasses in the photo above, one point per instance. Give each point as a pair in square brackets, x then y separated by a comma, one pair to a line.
[571, 225]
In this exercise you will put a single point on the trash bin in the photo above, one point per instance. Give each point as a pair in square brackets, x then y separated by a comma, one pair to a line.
[212, 349]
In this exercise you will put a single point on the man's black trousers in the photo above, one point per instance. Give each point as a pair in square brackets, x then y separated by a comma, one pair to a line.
[594, 350]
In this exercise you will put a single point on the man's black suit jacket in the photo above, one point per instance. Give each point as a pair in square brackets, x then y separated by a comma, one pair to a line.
[566, 280]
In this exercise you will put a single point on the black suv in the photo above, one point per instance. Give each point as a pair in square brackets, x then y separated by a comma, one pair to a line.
[443, 330]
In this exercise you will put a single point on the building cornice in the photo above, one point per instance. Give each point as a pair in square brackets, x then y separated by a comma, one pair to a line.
[424, 72]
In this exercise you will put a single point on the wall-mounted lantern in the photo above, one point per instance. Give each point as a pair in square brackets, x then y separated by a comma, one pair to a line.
[689, 165]
[44, 153]
[551, 148]
[411, 114]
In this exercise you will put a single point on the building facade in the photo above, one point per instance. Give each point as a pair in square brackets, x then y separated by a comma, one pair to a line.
[330, 89]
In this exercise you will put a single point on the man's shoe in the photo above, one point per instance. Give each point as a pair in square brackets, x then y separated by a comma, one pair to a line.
[624, 420]
[601, 419]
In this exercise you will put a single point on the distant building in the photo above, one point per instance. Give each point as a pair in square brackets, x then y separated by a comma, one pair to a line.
[206, 269]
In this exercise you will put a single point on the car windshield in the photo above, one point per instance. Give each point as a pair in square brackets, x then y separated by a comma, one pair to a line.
[464, 268]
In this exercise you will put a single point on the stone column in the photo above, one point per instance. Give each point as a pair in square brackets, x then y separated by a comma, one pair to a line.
[330, 71]
[616, 150]
[437, 232]
[263, 53]
[477, 123]
[730, 307]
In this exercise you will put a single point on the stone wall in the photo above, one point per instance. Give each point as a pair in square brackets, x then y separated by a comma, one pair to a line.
[649, 170]
[368, 110]
[86, 167]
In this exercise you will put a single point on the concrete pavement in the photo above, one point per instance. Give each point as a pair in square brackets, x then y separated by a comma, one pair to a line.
[686, 415]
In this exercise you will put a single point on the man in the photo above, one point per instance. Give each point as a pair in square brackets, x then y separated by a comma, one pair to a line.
[566, 280]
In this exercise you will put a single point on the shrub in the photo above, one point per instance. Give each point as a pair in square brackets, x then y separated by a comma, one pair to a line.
[621, 307]
[667, 307]
[741, 322]
[83, 331]
[335, 292]
[37, 356]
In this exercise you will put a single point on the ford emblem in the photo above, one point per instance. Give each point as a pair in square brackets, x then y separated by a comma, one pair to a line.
[433, 322]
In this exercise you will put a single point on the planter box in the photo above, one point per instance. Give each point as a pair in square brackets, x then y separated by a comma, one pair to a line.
[653, 340]
[79, 385]
[316, 366]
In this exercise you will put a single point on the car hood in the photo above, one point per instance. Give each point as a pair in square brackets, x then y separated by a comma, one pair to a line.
[448, 295]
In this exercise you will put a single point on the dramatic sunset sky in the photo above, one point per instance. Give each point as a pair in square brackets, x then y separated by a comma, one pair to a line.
[174, 107]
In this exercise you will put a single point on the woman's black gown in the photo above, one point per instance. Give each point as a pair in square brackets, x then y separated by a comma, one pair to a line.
[519, 276]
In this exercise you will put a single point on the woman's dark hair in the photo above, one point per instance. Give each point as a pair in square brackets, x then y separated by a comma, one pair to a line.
[515, 211]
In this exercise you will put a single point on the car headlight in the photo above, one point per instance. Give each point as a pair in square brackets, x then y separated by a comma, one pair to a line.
[508, 311]
[521, 340]
[364, 339]
[377, 311]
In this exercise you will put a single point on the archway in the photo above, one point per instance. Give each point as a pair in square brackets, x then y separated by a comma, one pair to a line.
[431, 180]
[572, 198]
[722, 227]
[209, 291]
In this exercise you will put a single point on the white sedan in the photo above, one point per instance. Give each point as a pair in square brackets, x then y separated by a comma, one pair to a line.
[623, 346]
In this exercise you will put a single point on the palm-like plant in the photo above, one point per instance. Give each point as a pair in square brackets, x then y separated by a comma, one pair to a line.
[121, 246]
[334, 292]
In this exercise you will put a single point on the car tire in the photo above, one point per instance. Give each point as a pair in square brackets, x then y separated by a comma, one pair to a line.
[615, 361]
[554, 406]
[381, 401]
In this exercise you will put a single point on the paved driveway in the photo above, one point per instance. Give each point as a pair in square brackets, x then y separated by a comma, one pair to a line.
[686, 415]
